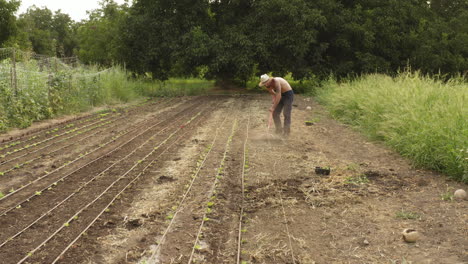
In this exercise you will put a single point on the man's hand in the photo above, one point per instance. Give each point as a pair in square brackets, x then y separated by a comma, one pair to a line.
[271, 109]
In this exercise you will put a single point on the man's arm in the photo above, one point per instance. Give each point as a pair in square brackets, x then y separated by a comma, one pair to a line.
[277, 98]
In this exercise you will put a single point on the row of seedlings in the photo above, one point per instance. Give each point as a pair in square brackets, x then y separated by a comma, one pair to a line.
[125, 175]
[175, 210]
[208, 207]
[69, 124]
[74, 192]
[81, 156]
[242, 214]
[22, 164]
[80, 132]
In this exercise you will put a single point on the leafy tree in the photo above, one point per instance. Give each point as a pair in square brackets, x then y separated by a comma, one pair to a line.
[37, 23]
[48, 33]
[100, 36]
[8, 26]
[154, 32]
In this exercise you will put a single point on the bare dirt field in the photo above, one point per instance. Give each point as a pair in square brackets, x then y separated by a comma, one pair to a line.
[202, 180]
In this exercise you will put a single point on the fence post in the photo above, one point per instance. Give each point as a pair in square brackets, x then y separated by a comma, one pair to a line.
[50, 80]
[13, 72]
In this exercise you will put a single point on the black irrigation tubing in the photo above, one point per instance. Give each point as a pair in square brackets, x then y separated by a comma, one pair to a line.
[118, 194]
[100, 117]
[81, 157]
[244, 164]
[88, 117]
[105, 191]
[87, 183]
[64, 125]
[213, 187]
[184, 196]
[68, 163]
[50, 130]
[49, 139]
[56, 142]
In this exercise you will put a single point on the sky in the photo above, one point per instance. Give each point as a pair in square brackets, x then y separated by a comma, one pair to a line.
[75, 8]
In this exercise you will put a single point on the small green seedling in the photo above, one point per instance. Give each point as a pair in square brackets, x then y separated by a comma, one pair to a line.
[357, 180]
[448, 196]
[66, 224]
[1, 195]
[38, 193]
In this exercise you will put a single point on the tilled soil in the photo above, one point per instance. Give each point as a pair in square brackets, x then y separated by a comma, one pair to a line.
[202, 180]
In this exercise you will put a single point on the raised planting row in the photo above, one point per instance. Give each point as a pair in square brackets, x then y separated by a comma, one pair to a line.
[40, 134]
[192, 209]
[64, 130]
[98, 192]
[89, 159]
[212, 196]
[158, 161]
[220, 237]
[64, 151]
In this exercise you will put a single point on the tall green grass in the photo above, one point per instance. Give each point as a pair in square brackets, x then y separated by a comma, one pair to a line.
[422, 118]
[40, 95]
[174, 87]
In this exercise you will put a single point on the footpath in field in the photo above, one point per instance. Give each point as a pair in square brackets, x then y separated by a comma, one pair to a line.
[202, 180]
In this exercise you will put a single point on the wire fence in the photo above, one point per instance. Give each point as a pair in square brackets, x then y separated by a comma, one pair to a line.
[35, 87]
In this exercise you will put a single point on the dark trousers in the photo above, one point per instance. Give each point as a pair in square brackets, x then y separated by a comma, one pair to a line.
[285, 103]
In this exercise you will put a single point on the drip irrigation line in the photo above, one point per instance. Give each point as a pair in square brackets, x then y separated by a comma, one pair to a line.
[213, 187]
[87, 164]
[184, 196]
[127, 186]
[87, 183]
[49, 139]
[91, 118]
[77, 134]
[239, 238]
[104, 192]
[285, 220]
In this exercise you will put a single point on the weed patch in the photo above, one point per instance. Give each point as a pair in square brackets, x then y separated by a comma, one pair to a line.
[422, 118]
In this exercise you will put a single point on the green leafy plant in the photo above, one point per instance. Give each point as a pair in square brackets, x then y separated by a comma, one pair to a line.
[406, 215]
[357, 180]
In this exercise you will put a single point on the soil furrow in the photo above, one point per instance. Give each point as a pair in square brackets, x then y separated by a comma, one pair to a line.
[179, 242]
[42, 145]
[49, 159]
[154, 178]
[100, 161]
[87, 194]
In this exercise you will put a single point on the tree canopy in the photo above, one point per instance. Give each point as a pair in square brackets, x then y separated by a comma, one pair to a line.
[237, 39]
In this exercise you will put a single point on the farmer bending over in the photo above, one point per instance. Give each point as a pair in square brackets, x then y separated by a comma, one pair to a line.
[283, 96]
